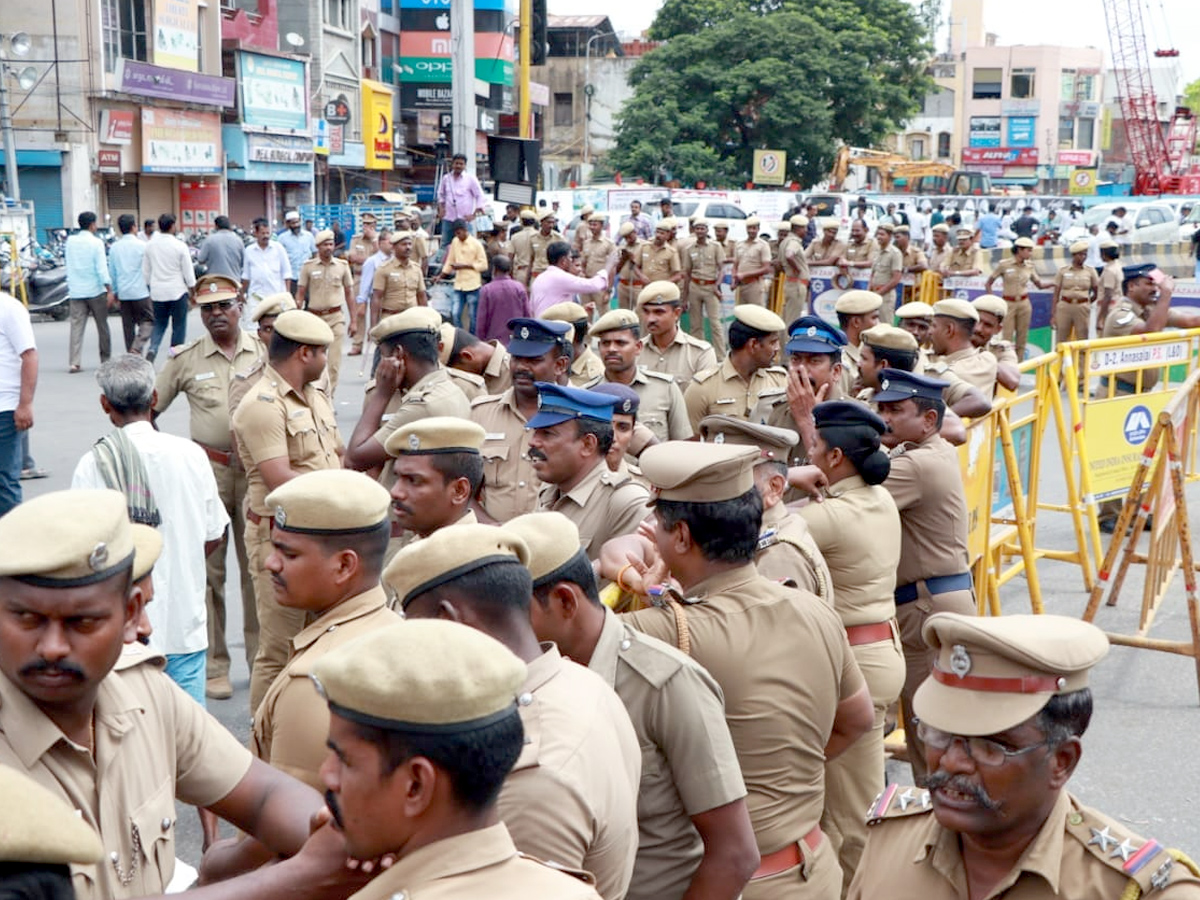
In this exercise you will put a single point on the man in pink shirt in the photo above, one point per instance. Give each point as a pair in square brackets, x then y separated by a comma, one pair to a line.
[459, 196]
[559, 283]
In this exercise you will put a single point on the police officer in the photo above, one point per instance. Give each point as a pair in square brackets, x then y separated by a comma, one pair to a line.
[747, 382]
[585, 364]
[572, 795]
[986, 336]
[263, 317]
[362, 247]
[814, 374]
[202, 370]
[794, 263]
[860, 253]
[692, 821]
[329, 537]
[1002, 715]
[925, 481]
[887, 270]
[1016, 274]
[965, 258]
[522, 248]
[596, 249]
[940, 249]
[856, 312]
[1111, 279]
[447, 694]
[572, 434]
[486, 360]
[885, 347]
[703, 264]
[786, 551]
[827, 250]
[539, 242]
[399, 283]
[668, 349]
[726, 613]
[917, 319]
[657, 260]
[954, 323]
[628, 248]
[471, 384]
[540, 351]
[409, 384]
[66, 720]
[322, 287]
[285, 426]
[40, 836]
[662, 409]
[437, 471]
[751, 264]
[1075, 287]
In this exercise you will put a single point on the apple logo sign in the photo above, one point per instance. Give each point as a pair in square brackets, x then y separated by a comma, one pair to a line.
[442, 22]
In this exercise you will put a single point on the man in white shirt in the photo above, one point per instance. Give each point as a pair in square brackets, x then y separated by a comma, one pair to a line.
[168, 478]
[18, 378]
[266, 270]
[373, 262]
[168, 270]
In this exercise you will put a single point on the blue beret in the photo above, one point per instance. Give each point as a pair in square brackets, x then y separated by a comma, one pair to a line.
[535, 337]
[559, 404]
[896, 384]
[812, 334]
[1141, 270]
[627, 398]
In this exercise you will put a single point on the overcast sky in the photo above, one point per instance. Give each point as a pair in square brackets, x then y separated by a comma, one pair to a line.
[1078, 23]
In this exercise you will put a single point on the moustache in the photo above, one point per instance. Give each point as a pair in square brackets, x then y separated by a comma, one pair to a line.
[535, 455]
[398, 507]
[331, 802]
[42, 667]
[963, 785]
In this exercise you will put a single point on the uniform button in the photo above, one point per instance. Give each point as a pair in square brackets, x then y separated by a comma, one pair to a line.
[401, 895]
[114, 856]
[525, 699]
[166, 824]
[331, 628]
[520, 484]
[625, 644]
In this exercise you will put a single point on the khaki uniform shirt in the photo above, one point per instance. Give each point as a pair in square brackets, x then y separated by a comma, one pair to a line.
[538, 243]
[603, 505]
[469, 383]
[595, 254]
[888, 264]
[914, 257]
[273, 421]
[363, 248]
[959, 260]
[1077, 284]
[1110, 282]
[483, 863]
[689, 765]
[1004, 351]
[1014, 277]
[435, 394]
[572, 796]
[625, 273]
[851, 353]
[1121, 321]
[201, 371]
[798, 268]
[926, 484]
[510, 486]
[153, 744]
[1073, 857]
[941, 257]
[661, 406]
[858, 530]
[818, 250]
[973, 366]
[522, 251]
[703, 262]
[325, 284]
[861, 255]
[586, 367]
[497, 375]
[751, 255]
[657, 263]
[788, 554]
[722, 390]
[780, 710]
[291, 724]
[682, 358]
[400, 282]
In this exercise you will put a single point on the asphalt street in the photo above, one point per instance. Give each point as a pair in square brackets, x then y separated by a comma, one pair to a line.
[1137, 765]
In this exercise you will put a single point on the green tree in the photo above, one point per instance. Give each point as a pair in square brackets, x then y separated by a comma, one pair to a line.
[739, 75]
[1191, 97]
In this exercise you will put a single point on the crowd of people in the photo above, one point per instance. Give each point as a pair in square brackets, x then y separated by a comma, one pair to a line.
[579, 607]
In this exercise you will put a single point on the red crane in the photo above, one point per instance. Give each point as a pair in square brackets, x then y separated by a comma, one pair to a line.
[1162, 162]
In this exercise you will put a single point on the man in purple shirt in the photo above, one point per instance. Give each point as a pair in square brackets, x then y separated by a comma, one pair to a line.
[559, 283]
[459, 196]
[642, 226]
[501, 299]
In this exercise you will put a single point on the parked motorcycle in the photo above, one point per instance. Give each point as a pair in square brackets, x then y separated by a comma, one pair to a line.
[45, 285]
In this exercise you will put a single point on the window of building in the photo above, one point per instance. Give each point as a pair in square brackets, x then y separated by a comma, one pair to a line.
[916, 148]
[1085, 134]
[368, 49]
[987, 84]
[943, 145]
[337, 14]
[1021, 84]
[564, 110]
[123, 24]
[1085, 87]
[201, 24]
[1066, 132]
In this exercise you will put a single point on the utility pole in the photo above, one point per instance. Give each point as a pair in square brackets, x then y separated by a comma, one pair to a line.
[462, 49]
[524, 107]
[10, 141]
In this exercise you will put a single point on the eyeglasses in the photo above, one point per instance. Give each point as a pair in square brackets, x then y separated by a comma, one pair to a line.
[222, 305]
[983, 750]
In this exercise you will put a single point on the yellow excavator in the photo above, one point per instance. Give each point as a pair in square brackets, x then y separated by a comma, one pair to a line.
[899, 173]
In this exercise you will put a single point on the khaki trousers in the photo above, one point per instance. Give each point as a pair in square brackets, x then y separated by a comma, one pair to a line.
[333, 360]
[1016, 324]
[231, 486]
[855, 778]
[1071, 317]
[918, 659]
[795, 300]
[703, 301]
[627, 293]
[277, 625]
[818, 878]
[752, 292]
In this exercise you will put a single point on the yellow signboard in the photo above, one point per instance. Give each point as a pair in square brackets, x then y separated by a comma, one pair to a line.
[975, 458]
[1083, 182]
[1114, 433]
[377, 125]
[176, 34]
[770, 167]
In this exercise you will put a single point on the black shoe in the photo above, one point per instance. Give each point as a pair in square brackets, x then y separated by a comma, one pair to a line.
[1108, 526]
[150, 354]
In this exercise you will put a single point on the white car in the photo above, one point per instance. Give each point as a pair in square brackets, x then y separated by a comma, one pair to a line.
[1155, 222]
[842, 207]
[716, 211]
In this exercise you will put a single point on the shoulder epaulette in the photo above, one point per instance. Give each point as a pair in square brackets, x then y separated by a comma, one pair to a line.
[180, 348]
[1144, 861]
[897, 802]
[661, 376]
[704, 374]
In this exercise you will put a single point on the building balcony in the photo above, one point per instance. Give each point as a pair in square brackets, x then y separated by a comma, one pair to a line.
[250, 24]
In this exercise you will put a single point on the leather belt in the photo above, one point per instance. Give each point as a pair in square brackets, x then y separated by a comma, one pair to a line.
[704, 281]
[332, 311]
[939, 584]
[1074, 300]
[789, 857]
[750, 280]
[1016, 299]
[254, 517]
[869, 634]
[637, 282]
[803, 281]
[220, 457]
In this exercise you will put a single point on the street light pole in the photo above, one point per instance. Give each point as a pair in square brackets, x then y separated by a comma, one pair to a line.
[588, 91]
[10, 138]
